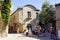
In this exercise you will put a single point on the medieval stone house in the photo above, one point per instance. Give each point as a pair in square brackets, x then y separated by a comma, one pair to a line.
[57, 15]
[23, 16]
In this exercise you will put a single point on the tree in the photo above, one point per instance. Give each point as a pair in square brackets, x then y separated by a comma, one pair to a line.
[5, 13]
[43, 11]
[47, 13]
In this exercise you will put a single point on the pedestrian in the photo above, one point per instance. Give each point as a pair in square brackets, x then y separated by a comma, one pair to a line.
[38, 30]
[27, 32]
[18, 30]
[27, 27]
[50, 30]
[30, 32]
[53, 34]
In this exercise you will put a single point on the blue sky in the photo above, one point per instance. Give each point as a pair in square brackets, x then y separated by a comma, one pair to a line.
[36, 3]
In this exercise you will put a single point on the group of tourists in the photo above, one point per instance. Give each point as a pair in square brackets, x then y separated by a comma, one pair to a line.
[37, 30]
[28, 30]
[41, 31]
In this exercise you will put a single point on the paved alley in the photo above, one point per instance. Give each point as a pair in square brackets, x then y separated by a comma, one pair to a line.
[22, 37]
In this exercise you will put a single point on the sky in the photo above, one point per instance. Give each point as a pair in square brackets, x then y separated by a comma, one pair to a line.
[36, 3]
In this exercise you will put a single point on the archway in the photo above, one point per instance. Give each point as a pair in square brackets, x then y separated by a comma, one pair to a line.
[29, 27]
[13, 28]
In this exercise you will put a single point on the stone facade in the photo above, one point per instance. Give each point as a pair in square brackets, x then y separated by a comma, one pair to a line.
[57, 15]
[23, 16]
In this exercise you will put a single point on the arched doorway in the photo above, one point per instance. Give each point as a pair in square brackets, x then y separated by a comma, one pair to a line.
[12, 29]
[29, 27]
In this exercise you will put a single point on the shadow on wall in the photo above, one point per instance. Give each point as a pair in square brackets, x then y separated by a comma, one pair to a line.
[33, 23]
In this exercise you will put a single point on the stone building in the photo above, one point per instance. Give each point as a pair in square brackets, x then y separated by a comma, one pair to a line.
[27, 14]
[57, 15]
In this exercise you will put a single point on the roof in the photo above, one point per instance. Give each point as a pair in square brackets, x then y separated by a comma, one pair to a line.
[21, 7]
[16, 10]
[32, 6]
[57, 4]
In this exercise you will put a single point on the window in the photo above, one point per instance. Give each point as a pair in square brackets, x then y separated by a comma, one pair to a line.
[37, 16]
[29, 14]
[14, 17]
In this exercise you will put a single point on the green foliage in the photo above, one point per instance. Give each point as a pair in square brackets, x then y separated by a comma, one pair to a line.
[46, 13]
[45, 4]
[6, 11]
[43, 11]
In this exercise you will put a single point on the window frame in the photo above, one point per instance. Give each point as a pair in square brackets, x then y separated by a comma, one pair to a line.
[29, 13]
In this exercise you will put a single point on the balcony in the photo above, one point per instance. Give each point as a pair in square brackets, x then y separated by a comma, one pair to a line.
[28, 18]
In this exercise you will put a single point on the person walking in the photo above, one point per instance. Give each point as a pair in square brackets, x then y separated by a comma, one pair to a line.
[38, 31]
[53, 34]
[27, 32]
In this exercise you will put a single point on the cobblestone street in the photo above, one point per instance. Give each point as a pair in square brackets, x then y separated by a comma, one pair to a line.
[17, 37]
[22, 37]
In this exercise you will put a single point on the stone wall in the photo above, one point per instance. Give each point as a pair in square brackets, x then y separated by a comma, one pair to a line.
[57, 15]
